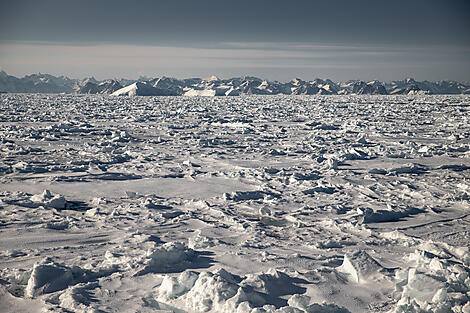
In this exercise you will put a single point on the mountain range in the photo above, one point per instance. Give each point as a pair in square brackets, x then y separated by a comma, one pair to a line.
[213, 86]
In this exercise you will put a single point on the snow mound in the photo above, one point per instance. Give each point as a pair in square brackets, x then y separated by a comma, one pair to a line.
[9, 302]
[273, 283]
[201, 242]
[77, 298]
[224, 292]
[46, 277]
[202, 292]
[48, 200]
[114, 261]
[169, 257]
[359, 266]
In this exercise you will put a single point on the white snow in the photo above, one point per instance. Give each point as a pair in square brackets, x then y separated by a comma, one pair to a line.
[130, 90]
[234, 204]
[48, 200]
[46, 277]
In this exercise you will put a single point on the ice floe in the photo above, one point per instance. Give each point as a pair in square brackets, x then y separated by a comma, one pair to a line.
[234, 204]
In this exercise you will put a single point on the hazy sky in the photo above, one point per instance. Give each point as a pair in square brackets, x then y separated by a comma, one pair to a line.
[338, 39]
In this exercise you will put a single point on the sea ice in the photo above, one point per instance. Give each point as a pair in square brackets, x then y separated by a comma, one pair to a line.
[48, 276]
[171, 256]
[48, 200]
[309, 203]
[359, 265]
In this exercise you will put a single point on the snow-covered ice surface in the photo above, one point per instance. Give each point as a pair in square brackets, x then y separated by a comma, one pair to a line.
[234, 204]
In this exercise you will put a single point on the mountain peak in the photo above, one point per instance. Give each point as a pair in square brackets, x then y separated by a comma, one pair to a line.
[167, 86]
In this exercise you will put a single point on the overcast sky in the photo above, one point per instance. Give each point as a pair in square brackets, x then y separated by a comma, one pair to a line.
[338, 39]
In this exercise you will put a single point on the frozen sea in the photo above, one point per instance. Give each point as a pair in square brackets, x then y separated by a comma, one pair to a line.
[234, 204]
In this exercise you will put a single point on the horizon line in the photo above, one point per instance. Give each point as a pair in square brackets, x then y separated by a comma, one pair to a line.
[147, 78]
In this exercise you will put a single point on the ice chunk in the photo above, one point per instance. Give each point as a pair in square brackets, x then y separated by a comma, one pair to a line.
[434, 284]
[150, 204]
[46, 194]
[200, 242]
[47, 199]
[48, 276]
[116, 260]
[299, 301]
[362, 139]
[57, 202]
[440, 296]
[359, 265]
[58, 225]
[274, 283]
[203, 292]
[422, 286]
[173, 287]
[332, 163]
[77, 298]
[223, 292]
[131, 194]
[171, 256]
[265, 211]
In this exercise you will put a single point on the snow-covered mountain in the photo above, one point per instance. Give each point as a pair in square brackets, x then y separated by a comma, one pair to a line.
[172, 86]
[362, 88]
[36, 83]
[411, 86]
[214, 86]
[106, 87]
[142, 89]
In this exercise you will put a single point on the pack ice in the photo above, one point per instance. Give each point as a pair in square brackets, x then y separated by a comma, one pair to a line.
[252, 204]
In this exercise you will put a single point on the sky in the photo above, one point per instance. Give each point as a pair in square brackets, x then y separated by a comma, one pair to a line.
[277, 40]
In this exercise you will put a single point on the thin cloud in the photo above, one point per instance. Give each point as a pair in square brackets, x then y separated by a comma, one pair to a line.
[282, 60]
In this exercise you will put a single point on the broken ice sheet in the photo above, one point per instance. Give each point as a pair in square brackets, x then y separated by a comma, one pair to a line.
[235, 204]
